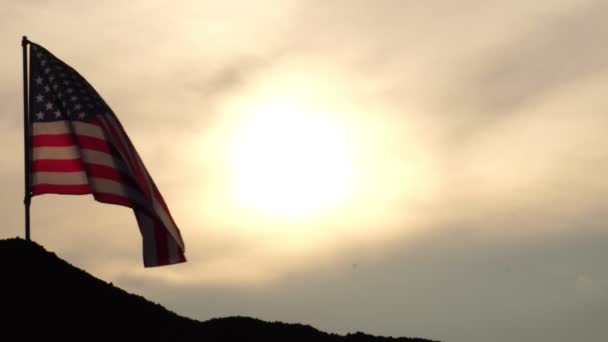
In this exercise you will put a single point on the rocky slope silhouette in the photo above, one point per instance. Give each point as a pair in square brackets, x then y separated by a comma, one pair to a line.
[43, 298]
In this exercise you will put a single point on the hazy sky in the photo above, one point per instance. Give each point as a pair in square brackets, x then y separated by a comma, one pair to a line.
[405, 168]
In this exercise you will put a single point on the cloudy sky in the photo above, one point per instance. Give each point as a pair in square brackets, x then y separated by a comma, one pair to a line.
[404, 168]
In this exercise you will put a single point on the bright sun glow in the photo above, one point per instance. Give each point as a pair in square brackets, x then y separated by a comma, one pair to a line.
[289, 161]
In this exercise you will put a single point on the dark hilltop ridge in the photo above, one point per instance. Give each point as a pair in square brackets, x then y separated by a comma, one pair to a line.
[44, 298]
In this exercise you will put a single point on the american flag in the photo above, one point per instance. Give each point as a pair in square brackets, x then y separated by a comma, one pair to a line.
[80, 147]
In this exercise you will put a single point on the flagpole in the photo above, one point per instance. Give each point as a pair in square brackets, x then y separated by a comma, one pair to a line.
[26, 140]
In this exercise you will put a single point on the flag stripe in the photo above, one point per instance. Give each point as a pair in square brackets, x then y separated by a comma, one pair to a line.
[49, 165]
[147, 227]
[112, 199]
[54, 127]
[105, 172]
[101, 158]
[56, 152]
[70, 189]
[93, 143]
[59, 178]
[127, 201]
[65, 127]
[75, 165]
[53, 140]
[162, 248]
[88, 129]
[57, 140]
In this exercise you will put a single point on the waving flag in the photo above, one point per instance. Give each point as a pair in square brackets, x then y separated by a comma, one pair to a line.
[80, 147]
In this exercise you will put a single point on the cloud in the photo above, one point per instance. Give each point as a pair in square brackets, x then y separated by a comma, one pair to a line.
[548, 54]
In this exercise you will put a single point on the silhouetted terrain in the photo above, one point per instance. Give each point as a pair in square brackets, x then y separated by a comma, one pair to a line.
[44, 298]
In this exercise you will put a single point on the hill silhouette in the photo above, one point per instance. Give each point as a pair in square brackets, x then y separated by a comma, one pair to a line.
[42, 297]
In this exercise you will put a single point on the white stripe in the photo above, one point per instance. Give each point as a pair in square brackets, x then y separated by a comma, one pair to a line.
[99, 158]
[83, 128]
[68, 127]
[62, 153]
[55, 127]
[59, 178]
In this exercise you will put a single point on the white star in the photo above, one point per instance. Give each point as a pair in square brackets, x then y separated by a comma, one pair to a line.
[47, 70]
[60, 95]
[77, 107]
[47, 88]
[81, 115]
[70, 90]
[39, 98]
[51, 78]
[66, 82]
[40, 115]
[39, 54]
[39, 80]
[43, 62]
[55, 86]
[74, 98]
[49, 105]
[57, 114]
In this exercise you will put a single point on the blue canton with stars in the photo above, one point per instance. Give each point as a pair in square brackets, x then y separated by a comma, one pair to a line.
[58, 92]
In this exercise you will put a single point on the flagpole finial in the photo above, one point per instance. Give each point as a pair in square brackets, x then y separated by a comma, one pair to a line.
[24, 41]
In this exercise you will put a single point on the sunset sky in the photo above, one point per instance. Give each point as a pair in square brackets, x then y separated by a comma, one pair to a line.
[405, 168]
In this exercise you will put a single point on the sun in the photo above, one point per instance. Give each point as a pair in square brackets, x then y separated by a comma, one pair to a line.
[286, 160]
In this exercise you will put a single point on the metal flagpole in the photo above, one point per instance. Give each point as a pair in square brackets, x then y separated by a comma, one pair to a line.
[26, 140]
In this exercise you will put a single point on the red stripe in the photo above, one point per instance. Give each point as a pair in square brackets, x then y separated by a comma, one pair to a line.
[57, 165]
[95, 122]
[42, 140]
[112, 199]
[121, 200]
[93, 143]
[57, 140]
[72, 189]
[102, 171]
[162, 246]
